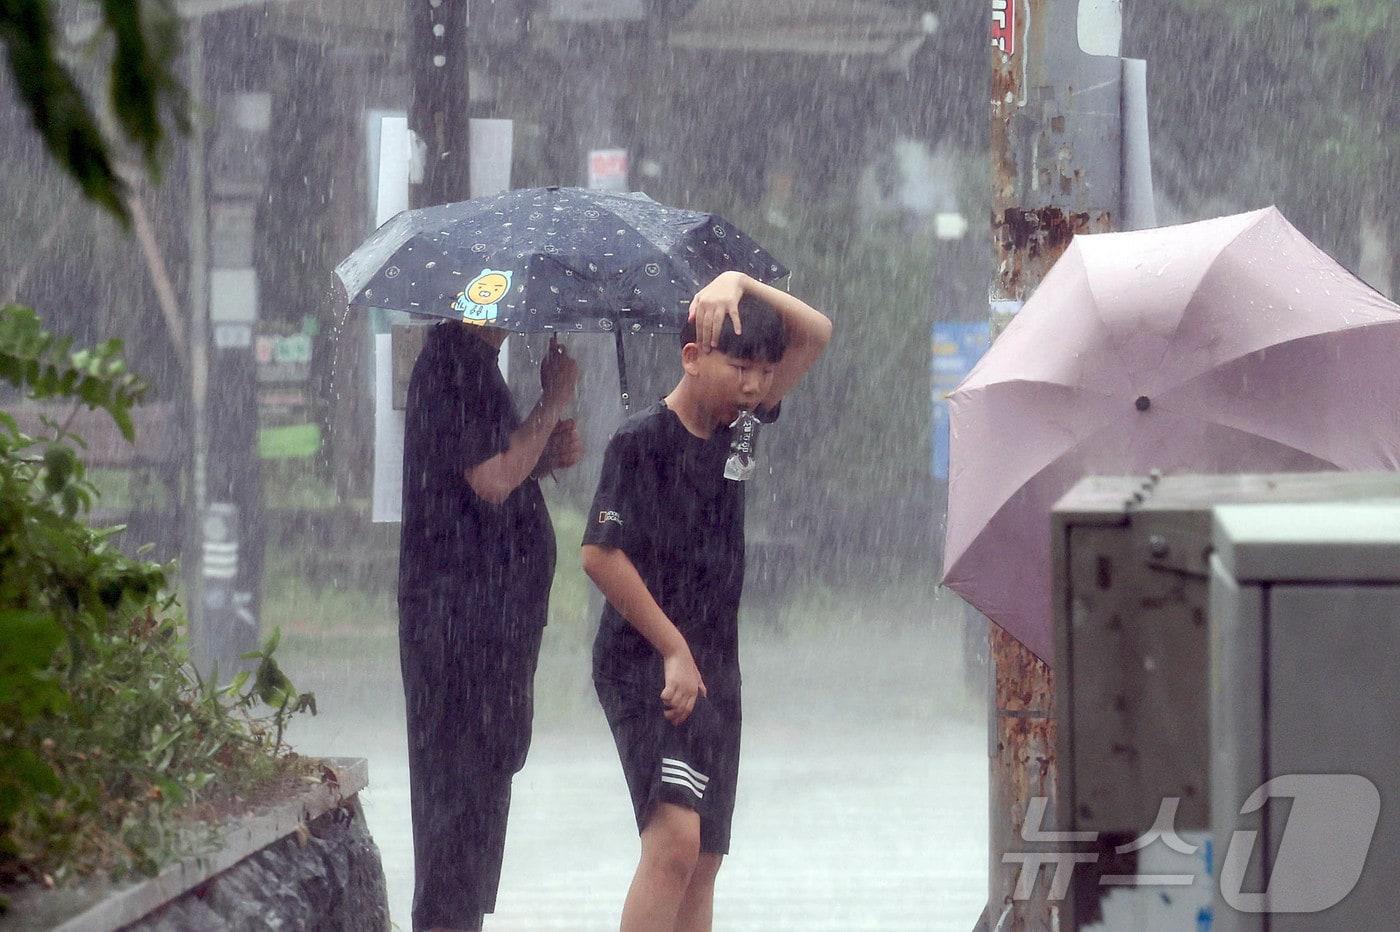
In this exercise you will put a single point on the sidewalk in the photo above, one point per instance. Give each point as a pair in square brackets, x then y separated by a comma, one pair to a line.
[862, 801]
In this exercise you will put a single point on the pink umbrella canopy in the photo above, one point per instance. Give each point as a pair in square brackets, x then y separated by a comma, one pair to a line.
[1230, 345]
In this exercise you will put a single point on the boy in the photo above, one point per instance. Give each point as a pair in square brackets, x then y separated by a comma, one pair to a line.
[665, 545]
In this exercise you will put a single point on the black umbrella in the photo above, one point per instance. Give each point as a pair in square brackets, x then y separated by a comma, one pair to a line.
[551, 259]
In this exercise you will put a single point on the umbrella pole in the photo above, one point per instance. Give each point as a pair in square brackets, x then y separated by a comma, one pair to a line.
[621, 366]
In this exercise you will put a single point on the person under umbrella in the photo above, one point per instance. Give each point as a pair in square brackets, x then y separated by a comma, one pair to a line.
[476, 564]
[477, 548]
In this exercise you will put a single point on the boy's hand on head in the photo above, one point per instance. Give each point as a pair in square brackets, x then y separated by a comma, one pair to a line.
[712, 304]
[683, 687]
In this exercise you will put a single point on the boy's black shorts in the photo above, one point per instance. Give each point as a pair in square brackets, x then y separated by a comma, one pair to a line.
[695, 764]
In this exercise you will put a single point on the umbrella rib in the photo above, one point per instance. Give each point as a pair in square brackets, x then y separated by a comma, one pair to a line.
[1028, 474]
[1176, 330]
[1166, 404]
[1210, 267]
[1020, 381]
[1262, 436]
[639, 234]
[643, 238]
[1098, 313]
[1282, 343]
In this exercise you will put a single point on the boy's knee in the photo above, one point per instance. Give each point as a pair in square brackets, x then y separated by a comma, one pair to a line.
[673, 840]
[707, 867]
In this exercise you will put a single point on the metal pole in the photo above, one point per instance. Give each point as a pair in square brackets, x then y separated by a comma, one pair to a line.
[1055, 146]
[199, 337]
[439, 117]
[232, 529]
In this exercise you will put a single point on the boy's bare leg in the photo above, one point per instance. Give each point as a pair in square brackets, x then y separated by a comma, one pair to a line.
[670, 850]
[697, 911]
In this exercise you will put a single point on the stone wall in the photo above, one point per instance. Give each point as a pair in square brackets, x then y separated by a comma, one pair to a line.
[325, 877]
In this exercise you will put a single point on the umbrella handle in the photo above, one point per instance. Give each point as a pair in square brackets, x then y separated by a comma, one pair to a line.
[621, 366]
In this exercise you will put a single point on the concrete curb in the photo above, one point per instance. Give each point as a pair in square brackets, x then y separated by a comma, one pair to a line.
[103, 907]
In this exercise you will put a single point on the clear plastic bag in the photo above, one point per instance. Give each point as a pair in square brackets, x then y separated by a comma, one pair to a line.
[743, 447]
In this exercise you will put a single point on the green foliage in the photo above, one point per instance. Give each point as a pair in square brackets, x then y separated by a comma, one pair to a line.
[27, 691]
[107, 734]
[47, 367]
[1330, 19]
[144, 37]
[1277, 101]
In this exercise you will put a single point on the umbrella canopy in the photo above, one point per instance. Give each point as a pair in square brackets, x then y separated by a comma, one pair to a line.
[1231, 345]
[553, 259]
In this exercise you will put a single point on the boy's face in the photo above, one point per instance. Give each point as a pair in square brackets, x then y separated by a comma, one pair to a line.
[727, 383]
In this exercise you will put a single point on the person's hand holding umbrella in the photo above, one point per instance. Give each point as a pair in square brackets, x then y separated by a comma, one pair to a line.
[558, 375]
[563, 449]
[559, 381]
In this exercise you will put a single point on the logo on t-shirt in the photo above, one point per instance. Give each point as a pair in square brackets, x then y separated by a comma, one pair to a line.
[605, 516]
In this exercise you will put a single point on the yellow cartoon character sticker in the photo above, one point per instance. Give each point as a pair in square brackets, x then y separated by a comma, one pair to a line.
[477, 302]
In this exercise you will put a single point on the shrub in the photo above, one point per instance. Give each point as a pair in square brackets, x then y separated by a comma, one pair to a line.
[108, 737]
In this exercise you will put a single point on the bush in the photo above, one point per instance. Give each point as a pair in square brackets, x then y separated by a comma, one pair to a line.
[108, 737]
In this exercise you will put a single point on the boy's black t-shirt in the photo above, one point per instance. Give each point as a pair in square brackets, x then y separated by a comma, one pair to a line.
[663, 500]
[490, 565]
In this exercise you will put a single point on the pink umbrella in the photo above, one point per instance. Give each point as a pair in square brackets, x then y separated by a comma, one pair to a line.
[1230, 345]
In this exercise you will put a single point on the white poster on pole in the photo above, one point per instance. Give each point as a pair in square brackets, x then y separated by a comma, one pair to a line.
[490, 151]
[391, 196]
[492, 146]
[387, 502]
[391, 189]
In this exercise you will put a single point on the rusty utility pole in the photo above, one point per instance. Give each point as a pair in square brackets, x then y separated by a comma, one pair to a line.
[1056, 169]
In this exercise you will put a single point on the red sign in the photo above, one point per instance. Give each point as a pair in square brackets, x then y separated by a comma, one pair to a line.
[607, 169]
[1004, 25]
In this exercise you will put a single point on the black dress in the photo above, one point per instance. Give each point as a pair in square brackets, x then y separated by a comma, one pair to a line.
[474, 582]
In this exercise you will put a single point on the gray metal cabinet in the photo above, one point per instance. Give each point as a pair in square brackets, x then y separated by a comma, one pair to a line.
[1305, 687]
[1132, 667]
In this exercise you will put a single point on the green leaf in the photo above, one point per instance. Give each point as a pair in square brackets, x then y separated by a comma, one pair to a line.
[23, 775]
[142, 84]
[60, 113]
[71, 501]
[59, 465]
[271, 685]
[47, 367]
[236, 685]
[30, 638]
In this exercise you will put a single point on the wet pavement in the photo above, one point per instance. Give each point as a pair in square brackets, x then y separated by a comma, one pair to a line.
[862, 797]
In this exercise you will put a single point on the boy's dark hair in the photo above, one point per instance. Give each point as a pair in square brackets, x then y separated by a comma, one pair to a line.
[764, 338]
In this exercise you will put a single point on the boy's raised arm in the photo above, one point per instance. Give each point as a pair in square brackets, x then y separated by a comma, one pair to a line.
[617, 578]
[808, 329]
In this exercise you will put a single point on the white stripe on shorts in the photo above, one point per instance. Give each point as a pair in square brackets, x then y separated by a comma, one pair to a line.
[680, 779]
[690, 771]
